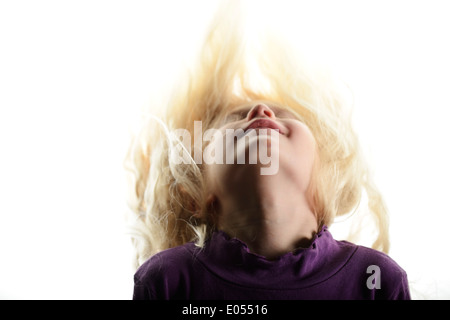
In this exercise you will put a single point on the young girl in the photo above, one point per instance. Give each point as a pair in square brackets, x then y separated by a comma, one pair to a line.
[222, 229]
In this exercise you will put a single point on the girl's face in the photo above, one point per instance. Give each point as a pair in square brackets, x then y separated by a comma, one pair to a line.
[294, 149]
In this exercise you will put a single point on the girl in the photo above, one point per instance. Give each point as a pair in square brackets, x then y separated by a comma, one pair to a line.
[223, 230]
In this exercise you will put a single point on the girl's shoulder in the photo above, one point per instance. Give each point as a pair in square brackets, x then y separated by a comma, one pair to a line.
[169, 261]
[379, 273]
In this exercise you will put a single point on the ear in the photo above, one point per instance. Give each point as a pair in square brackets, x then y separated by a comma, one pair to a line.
[211, 207]
[213, 202]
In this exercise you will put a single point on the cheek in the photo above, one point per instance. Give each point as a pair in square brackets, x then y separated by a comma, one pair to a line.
[299, 151]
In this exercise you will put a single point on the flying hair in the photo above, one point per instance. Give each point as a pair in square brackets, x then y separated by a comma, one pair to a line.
[167, 201]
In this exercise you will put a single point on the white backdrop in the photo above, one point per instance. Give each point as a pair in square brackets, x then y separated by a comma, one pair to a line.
[74, 75]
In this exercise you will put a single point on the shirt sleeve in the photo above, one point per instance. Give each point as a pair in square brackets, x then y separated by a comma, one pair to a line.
[402, 291]
[141, 292]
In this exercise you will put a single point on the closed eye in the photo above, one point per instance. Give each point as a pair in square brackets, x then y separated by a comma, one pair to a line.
[237, 115]
[241, 113]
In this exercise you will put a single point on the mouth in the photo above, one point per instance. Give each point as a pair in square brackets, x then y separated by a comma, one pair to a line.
[264, 124]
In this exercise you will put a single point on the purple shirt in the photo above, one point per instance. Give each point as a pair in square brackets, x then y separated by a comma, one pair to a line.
[226, 269]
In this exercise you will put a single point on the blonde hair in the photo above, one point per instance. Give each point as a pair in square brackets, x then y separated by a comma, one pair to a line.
[168, 200]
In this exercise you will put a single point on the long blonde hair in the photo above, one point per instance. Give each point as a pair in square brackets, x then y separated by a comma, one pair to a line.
[167, 201]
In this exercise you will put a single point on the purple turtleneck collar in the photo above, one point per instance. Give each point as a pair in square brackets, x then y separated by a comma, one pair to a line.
[225, 269]
[241, 266]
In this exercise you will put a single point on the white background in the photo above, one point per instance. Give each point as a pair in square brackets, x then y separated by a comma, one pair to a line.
[75, 74]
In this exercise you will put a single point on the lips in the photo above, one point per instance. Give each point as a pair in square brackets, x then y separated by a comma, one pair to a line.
[264, 124]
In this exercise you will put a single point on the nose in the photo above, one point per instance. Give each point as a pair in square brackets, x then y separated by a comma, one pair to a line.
[260, 111]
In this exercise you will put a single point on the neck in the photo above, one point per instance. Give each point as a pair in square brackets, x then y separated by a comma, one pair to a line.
[271, 221]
